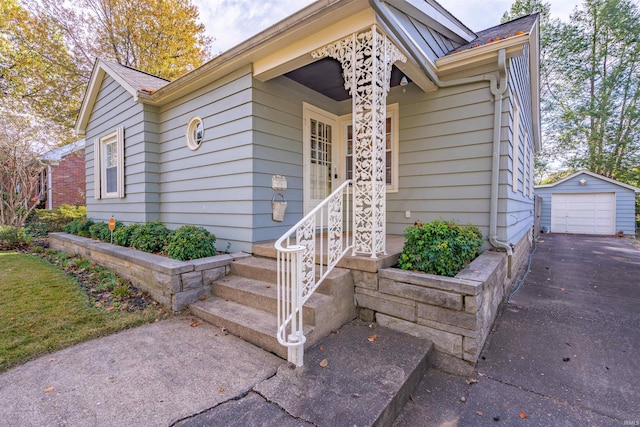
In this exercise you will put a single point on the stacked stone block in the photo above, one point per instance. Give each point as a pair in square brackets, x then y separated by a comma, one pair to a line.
[174, 284]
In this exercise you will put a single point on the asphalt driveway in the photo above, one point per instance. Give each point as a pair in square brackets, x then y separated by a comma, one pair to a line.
[564, 352]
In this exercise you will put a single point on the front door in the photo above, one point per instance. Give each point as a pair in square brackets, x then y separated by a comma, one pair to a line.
[320, 161]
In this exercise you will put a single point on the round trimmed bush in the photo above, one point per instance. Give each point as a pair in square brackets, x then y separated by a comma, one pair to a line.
[123, 233]
[439, 247]
[151, 237]
[191, 242]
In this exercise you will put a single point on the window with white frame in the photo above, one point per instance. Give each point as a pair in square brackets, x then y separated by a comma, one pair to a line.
[109, 165]
[391, 147]
[195, 133]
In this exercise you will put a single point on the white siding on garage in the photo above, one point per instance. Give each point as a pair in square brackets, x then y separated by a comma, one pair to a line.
[586, 213]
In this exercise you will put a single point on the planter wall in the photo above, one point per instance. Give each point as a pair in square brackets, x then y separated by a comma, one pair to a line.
[455, 313]
[174, 284]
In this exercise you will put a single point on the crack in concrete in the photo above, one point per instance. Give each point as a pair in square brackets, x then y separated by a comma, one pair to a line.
[231, 399]
[283, 409]
[555, 399]
[235, 398]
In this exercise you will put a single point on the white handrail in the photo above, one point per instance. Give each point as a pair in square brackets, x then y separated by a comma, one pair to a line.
[299, 262]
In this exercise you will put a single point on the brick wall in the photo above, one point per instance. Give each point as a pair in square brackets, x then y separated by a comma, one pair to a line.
[68, 180]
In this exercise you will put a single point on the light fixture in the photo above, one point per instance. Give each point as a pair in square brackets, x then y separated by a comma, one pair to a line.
[582, 181]
[403, 83]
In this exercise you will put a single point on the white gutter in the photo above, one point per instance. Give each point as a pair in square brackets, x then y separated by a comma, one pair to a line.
[498, 85]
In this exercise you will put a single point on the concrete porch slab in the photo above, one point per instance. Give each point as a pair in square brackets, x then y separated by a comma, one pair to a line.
[359, 262]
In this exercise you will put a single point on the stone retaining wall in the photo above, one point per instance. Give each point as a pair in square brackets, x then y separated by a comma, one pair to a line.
[455, 313]
[174, 284]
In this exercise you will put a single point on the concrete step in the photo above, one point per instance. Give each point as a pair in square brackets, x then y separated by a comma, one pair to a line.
[362, 375]
[252, 325]
[265, 269]
[263, 296]
[245, 303]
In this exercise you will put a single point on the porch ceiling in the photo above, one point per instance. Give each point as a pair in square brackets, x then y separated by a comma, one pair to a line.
[325, 76]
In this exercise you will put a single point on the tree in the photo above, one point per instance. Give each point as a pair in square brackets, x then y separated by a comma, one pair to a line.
[160, 37]
[527, 7]
[594, 83]
[37, 71]
[590, 74]
[48, 48]
[21, 140]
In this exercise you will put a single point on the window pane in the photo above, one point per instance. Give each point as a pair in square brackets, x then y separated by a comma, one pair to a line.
[388, 167]
[112, 179]
[198, 133]
[111, 157]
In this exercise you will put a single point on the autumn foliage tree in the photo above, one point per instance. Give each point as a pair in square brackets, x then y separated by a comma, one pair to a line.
[47, 48]
[47, 52]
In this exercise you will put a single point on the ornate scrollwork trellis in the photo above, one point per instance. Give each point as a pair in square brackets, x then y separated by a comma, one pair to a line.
[367, 58]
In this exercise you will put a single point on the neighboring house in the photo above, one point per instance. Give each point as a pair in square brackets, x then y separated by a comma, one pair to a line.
[588, 203]
[64, 177]
[454, 116]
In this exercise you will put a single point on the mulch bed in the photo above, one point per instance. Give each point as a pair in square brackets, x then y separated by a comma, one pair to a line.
[133, 300]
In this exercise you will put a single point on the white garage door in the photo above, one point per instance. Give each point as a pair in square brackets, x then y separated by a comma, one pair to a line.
[586, 213]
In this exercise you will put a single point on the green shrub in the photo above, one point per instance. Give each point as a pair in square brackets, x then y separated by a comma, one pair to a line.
[100, 231]
[151, 237]
[79, 227]
[13, 237]
[191, 242]
[122, 234]
[41, 222]
[439, 247]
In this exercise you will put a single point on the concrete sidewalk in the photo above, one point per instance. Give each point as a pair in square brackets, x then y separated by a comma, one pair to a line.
[188, 373]
[563, 353]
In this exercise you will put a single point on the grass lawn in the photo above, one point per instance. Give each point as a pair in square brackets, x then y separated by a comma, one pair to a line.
[42, 309]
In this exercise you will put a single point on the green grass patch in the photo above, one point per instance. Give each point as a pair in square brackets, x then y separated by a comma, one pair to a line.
[42, 309]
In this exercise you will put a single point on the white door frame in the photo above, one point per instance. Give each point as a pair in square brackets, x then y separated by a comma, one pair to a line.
[312, 112]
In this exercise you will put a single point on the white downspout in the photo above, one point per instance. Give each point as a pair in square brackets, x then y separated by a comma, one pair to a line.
[498, 92]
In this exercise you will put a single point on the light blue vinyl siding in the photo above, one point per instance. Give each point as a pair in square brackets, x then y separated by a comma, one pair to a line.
[445, 157]
[518, 207]
[278, 124]
[115, 107]
[211, 186]
[625, 199]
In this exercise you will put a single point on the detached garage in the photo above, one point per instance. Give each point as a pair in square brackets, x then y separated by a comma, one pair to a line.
[587, 203]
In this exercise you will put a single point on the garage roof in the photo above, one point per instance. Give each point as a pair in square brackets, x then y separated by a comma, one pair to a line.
[595, 175]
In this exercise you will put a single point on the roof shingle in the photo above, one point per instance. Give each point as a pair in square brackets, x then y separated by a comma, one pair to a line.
[519, 26]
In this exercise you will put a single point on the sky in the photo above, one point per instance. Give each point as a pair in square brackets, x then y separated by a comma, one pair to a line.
[230, 22]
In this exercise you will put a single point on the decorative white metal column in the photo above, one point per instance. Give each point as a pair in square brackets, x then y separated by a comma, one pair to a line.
[367, 58]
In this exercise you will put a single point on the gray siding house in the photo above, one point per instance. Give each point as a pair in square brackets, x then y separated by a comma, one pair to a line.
[588, 203]
[457, 113]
